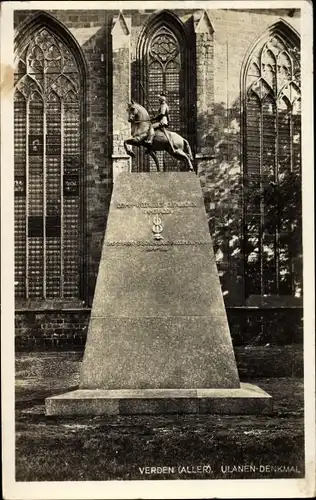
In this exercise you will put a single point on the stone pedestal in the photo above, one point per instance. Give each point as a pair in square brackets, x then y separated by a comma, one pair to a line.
[158, 338]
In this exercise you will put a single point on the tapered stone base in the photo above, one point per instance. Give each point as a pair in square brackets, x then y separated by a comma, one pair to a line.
[158, 326]
[248, 399]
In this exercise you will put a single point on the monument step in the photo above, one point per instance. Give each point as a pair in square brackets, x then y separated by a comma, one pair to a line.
[248, 399]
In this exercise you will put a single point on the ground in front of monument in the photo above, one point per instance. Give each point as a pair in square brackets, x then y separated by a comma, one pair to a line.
[142, 447]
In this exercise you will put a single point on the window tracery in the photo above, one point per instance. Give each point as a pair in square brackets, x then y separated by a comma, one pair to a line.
[47, 112]
[272, 165]
[163, 61]
[164, 67]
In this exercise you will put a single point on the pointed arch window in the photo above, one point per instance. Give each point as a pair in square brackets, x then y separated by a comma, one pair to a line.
[48, 169]
[272, 168]
[164, 68]
[164, 58]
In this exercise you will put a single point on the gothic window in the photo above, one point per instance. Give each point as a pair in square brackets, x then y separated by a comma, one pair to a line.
[164, 62]
[163, 76]
[47, 162]
[272, 168]
[164, 66]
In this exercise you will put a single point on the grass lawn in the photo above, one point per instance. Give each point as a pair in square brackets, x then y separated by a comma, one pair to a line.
[116, 447]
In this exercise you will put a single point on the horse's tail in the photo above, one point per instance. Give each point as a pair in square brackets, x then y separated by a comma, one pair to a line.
[188, 149]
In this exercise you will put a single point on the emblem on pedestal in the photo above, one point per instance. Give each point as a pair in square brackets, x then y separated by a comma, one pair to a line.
[157, 228]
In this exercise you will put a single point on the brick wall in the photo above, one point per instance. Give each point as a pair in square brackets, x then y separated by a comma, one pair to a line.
[50, 330]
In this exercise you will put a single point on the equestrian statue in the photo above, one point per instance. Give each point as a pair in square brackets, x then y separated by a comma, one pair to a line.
[154, 136]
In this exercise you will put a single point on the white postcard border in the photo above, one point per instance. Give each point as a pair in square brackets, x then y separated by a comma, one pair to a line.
[268, 488]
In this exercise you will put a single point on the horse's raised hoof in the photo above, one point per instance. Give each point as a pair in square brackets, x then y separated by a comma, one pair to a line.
[132, 154]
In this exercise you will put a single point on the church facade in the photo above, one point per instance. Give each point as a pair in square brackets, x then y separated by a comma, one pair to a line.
[232, 82]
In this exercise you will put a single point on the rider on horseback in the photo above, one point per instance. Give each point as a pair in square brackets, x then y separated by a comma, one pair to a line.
[168, 141]
[161, 121]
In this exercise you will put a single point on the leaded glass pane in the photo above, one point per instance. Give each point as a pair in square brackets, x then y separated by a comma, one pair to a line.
[272, 156]
[47, 133]
[163, 76]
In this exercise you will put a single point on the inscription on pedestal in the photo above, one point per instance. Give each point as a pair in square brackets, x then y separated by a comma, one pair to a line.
[158, 205]
[157, 228]
[142, 243]
[157, 211]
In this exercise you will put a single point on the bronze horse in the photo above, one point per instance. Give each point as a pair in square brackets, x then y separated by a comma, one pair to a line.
[173, 143]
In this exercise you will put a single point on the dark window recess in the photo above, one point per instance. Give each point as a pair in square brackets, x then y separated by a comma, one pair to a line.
[35, 145]
[71, 185]
[53, 208]
[19, 185]
[35, 226]
[53, 144]
[53, 139]
[53, 227]
[71, 164]
[53, 149]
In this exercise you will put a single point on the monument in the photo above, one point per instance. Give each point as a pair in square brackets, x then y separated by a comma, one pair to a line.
[158, 338]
